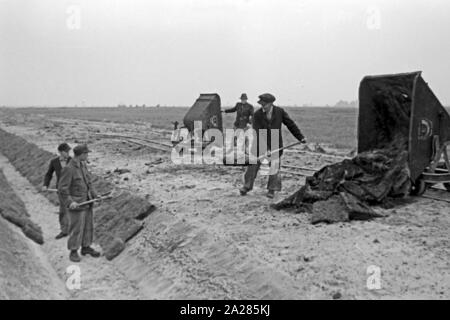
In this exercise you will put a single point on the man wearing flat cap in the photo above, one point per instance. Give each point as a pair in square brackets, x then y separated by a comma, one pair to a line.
[267, 123]
[244, 113]
[75, 187]
[244, 116]
[55, 167]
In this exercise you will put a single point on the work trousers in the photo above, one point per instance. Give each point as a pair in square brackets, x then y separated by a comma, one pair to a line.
[81, 228]
[274, 183]
[63, 216]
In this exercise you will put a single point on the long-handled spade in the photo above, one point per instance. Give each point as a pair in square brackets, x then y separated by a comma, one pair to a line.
[105, 196]
[265, 165]
[269, 153]
[266, 155]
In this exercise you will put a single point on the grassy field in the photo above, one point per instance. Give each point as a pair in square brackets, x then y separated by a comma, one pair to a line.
[334, 126]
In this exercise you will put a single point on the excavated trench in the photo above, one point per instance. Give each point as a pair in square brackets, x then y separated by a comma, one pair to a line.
[116, 220]
[162, 261]
[13, 210]
[197, 249]
[25, 273]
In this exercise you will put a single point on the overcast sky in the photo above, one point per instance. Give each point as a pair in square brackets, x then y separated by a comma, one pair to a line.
[106, 52]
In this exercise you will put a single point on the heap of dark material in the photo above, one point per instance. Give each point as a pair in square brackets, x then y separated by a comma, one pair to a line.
[345, 190]
[391, 109]
[353, 185]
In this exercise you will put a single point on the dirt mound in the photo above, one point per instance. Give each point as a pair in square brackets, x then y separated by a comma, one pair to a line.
[116, 221]
[13, 209]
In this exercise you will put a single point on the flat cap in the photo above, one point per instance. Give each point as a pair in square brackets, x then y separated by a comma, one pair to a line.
[64, 147]
[80, 149]
[266, 97]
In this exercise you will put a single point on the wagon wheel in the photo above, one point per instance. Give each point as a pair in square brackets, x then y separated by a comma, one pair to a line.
[447, 186]
[418, 188]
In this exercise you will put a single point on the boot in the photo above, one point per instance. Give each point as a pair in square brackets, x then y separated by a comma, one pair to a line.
[243, 191]
[270, 194]
[61, 235]
[74, 257]
[90, 251]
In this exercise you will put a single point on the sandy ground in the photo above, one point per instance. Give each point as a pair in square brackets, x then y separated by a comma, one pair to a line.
[206, 241]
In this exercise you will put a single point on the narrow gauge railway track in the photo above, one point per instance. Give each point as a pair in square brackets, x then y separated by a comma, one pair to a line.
[287, 169]
[152, 144]
[435, 198]
[160, 146]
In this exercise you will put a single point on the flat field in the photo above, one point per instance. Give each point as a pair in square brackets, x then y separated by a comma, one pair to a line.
[206, 241]
[333, 126]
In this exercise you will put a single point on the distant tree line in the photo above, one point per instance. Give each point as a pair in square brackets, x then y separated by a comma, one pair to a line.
[346, 104]
[122, 105]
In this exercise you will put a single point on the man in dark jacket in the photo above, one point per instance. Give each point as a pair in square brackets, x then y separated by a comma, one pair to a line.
[56, 166]
[269, 119]
[244, 113]
[75, 187]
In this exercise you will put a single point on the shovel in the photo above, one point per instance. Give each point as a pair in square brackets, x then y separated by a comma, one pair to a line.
[105, 196]
[268, 154]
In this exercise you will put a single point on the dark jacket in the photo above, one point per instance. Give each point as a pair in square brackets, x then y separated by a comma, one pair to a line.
[279, 116]
[75, 184]
[54, 167]
[243, 113]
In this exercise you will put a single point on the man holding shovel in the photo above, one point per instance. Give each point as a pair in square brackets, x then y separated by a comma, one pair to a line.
[75, 187]
[268, 119]
[55, 167]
